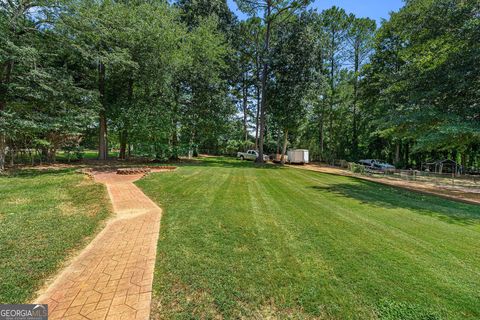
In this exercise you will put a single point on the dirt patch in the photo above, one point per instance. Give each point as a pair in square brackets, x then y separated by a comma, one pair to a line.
[19, 201]
[67, 208]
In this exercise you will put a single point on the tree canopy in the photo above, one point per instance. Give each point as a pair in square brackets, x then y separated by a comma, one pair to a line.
[159, 80]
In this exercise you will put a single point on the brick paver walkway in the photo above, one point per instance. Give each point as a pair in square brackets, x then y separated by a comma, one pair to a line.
[112, 278]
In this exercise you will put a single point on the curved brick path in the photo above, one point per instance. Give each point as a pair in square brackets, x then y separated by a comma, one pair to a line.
[112, 277]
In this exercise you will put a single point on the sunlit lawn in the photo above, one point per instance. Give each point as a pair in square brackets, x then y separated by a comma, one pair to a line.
[44, 216]
[240, 241]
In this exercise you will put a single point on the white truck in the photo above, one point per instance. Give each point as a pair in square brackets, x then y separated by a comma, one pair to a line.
[250, 155]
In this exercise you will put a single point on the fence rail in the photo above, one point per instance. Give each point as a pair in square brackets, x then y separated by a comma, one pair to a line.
[450, 179]
[469, 181]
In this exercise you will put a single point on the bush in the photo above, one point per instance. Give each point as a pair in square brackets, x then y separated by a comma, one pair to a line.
[79, 153]
[231, 147]
[343, 163]
[356, 168]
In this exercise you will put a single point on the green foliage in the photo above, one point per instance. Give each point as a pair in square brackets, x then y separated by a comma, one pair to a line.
[231, 147]
[194, 11]
[292, 73]
[423, 81]
[164, 76]
[156, 80]
[356, 168]
[40, 100]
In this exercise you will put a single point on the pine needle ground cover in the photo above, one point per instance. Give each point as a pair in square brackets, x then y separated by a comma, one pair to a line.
[243, 241]
[44, 217]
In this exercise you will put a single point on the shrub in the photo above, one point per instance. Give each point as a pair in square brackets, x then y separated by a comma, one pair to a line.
[356, 168]
[79, 153]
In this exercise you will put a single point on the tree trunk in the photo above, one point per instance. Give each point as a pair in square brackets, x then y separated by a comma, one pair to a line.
[6, 71]
[322, 132]
[3, 148]
[12, 157]
[245, 108]
[263, 104]
[284, 149]
[174, 155]
[397, 154]
[257, 116]
[123, 144]
[278, 142]
[355, 98]
[332, 88]
[44, 155]
[464, 161]
[192, 147]
[103, 142]
[407, 155]
[124, 132]
[257, 87]
[102, 146]
[174, 138]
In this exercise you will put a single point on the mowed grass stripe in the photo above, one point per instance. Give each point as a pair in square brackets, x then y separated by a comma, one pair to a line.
[406, 234]
[240, 241]
[360, 252]
[404, 248]
[323, 292]
[415, 225]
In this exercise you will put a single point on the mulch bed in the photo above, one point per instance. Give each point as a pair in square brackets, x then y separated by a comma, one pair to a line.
[126, 171]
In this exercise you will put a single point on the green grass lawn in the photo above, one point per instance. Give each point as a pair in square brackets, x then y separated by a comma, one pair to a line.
[62, 156]
[240, 241]
[44, 216]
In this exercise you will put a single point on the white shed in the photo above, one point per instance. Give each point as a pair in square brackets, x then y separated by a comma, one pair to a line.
[298, 156]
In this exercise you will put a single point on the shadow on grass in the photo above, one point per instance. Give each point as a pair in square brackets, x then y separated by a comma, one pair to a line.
[370, 193]
[32, 173]
[218, 162]
[225, 162]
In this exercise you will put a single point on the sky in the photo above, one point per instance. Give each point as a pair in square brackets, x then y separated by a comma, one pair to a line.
[375, 9]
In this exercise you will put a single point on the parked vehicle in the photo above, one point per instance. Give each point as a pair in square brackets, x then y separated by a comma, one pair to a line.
[250, 155]
[376, 164]
[298, 156]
